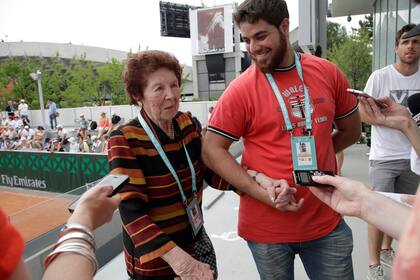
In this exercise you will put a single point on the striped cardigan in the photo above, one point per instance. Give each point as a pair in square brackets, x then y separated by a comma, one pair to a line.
[154, 218]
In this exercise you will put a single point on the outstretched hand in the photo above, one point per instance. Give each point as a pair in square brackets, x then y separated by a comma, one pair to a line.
[95, 208]
[345, 198]
[393, 116]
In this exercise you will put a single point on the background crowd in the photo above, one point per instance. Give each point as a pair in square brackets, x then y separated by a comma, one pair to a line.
[86, 136]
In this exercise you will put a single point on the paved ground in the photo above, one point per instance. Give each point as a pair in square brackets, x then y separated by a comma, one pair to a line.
[233, 256]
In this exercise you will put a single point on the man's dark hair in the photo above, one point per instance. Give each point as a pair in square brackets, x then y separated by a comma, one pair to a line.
[272, 11]
[400, 32]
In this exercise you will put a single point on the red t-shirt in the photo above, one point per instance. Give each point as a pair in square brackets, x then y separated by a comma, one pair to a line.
[11, 247]
[249, 109]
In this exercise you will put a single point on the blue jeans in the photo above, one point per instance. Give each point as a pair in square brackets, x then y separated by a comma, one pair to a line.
[325, 258]
[53, 121]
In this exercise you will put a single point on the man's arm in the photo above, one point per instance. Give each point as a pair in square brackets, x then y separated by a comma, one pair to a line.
[347, 131]
[216, 156]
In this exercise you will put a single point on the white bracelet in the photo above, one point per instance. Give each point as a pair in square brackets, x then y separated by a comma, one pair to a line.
[77, 248]
[76, 227]
[77, 235]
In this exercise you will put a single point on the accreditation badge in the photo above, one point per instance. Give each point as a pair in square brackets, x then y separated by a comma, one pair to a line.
[195, 215]
[304, 153]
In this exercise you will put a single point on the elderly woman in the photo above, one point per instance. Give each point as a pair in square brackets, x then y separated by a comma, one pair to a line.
[160, 150]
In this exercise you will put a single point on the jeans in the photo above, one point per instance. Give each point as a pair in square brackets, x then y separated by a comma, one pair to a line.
[325, 258]
[53, 121]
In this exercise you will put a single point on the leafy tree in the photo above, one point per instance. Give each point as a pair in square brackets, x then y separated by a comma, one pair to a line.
[354, 58]
[366, 27]
[336, 35]
[71, 83]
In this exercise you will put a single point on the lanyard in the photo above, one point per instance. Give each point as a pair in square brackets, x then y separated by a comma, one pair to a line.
[308, 119]
[166, 160]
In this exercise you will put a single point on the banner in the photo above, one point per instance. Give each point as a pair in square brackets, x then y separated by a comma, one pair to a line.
[211, 30]
[52, 172]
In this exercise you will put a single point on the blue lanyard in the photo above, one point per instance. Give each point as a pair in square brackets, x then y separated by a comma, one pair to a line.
[308, 119]
[166, 160]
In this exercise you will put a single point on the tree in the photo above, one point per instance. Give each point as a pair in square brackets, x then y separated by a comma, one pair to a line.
[336, 35]
[354, 58]
[71, 83]
[366, 27]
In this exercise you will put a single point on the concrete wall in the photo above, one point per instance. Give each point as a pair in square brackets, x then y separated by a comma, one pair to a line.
[69, 116]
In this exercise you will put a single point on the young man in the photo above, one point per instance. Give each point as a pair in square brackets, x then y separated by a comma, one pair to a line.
[282, 100]
[52, 113]
[389, 167]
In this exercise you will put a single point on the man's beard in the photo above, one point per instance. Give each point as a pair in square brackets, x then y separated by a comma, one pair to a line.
[276, 58]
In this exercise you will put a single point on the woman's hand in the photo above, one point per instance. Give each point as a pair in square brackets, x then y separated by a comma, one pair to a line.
[186, 267]
[279, 191]
[393, 116]
[95, 208]
[346, 197]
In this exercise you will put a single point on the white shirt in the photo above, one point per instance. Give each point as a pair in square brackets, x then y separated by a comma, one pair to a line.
[23, 109]
[74, 147]
[388, 143]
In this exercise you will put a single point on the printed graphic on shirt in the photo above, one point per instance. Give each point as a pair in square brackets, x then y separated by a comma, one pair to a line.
[400, 96]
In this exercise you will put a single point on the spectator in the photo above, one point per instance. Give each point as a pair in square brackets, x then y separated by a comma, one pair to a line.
[52, 113]
[83, 123]
[104, 124]
[105, 139]
[24, 112]
[389, 157]
[23, 144]
[96, 146]
[38, 142]
[62, 134]
[73, 146]
[115, 119]
[10, 108]
[27, 132]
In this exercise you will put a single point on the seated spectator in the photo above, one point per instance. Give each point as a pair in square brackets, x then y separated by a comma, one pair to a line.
[24, 112]
[96, 146]
[83, 123]
[23, 144]
[83, 133]
[56, 145]
[27, 132]
[38, 141]
[105, 139]
[84, 146]
[115, 119]
[73, 146]
[104, 124]
[62, 134]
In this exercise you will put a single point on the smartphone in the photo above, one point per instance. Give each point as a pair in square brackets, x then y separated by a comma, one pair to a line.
[117, 181]
[304, 177]
[358, 93]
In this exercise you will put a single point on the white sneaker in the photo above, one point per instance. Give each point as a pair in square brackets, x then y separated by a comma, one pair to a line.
[375, 273]
[387, 257]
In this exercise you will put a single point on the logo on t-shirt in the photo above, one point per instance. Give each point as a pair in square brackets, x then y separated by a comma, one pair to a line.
[400, 96]
[297, 105]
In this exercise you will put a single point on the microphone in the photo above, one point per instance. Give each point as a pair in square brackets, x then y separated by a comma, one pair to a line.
[413, 103]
